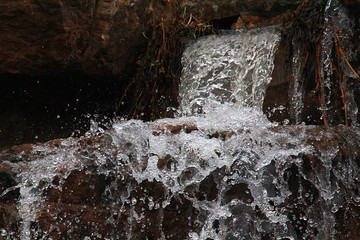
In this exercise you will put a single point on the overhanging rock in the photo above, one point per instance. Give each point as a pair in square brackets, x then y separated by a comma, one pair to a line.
[98, 37]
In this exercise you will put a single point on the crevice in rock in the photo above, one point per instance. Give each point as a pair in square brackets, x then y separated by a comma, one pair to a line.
[224, 23]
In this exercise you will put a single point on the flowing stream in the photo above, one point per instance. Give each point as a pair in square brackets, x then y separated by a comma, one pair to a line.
[219, 170]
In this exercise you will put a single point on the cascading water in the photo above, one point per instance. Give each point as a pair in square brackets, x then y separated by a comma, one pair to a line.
[225, 172]
[296, 91]
[234, 67]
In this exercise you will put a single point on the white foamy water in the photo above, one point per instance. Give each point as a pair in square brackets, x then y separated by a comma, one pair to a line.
[135, 148]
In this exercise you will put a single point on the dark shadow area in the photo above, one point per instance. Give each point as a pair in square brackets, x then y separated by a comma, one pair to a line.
[40, 108]
[224, 23]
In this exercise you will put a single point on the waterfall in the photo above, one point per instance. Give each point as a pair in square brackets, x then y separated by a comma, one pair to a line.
[234, 67]
[220, 170]
[296, 91]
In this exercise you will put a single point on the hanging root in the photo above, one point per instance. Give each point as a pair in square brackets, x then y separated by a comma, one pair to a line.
[340, 54]
[342, 90]
[344, 57]
[156, 83]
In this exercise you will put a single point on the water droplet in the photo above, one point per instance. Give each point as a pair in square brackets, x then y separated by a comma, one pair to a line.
[334, 209]
[3, 232]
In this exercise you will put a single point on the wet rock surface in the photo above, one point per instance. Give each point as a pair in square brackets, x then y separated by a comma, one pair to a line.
[316, 67]
[318, 188]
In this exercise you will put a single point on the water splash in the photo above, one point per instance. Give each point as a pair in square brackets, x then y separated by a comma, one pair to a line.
[249, 162]
[36, 176]
[178, 161]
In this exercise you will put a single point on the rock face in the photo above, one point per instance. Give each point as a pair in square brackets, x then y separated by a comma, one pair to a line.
[95, 192]
[104, 36]
[353, 6]
[97, 37]
[317, 67]
[38, 36]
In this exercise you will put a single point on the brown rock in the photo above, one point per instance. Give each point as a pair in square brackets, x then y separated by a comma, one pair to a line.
[8, 190]
[278, 104]
[239, 191]
[353, 6]
[97, 37]
[178, 217]
[208, 189]
[251, 21]
[9, 221]
[80, 187]
[63, 221]
[77, 35]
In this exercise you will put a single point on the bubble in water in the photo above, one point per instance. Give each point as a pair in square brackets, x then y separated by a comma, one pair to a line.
[3, 232]
[334, 209]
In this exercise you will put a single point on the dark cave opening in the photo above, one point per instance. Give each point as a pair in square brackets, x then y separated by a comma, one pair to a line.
[40, 108]
[224, 23]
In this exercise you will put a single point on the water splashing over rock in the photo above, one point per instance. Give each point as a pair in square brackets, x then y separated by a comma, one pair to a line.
[220, 170]
[190, 177]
